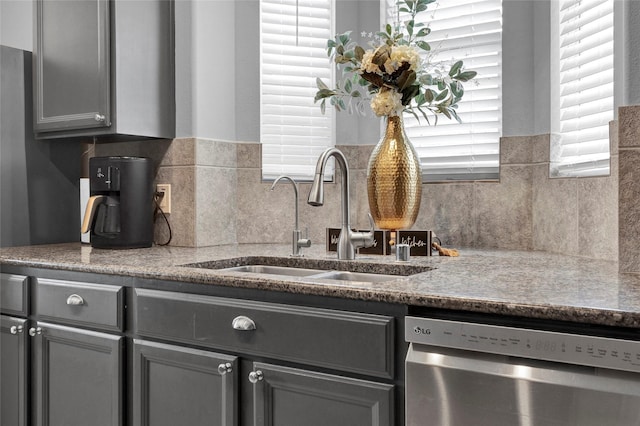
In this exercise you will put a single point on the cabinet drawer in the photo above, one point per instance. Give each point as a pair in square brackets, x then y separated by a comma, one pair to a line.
[13, 294]
[82, 304]
[354, 342]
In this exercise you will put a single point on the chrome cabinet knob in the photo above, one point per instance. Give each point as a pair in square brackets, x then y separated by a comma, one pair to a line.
[256, 376]
[99, 117]
[75, 299]
[225, 368]
[15, 329]
[34, 331]
[243, 323]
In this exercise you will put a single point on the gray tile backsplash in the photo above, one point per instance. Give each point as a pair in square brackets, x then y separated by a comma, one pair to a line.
[219, 198]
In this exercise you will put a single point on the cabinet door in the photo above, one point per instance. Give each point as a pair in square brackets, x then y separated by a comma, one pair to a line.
[290, 397]
[13, 371]
[173, 385]
[78, 377]
[72, 74]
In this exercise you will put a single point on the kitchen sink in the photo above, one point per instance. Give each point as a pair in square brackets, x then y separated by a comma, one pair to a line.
[327, 269]
[274, 270]
[355, 276]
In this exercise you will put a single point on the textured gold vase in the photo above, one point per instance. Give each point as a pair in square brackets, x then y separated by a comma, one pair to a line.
[394, 179]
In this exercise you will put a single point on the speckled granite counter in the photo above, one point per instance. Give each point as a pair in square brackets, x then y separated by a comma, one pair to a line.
[528, 284]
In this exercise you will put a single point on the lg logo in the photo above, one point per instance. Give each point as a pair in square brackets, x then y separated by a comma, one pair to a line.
[420, 330]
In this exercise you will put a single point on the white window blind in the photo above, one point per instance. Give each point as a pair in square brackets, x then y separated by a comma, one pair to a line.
[293, 52]
[582, 86]
[468, 30]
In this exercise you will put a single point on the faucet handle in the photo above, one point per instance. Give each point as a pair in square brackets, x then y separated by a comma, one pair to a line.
[372, 223]
[364, 239]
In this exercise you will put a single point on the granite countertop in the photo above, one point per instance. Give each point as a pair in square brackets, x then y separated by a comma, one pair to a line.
[521, 283]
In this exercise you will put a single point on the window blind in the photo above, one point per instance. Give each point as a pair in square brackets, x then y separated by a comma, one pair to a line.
[293, 41]
[468, 30]
[582, 86]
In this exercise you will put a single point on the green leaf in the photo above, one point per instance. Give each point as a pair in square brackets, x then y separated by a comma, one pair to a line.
[442, 95]
[323, 106]
[356, 94]
[320, 84]
[429, 95]
[359, 53]
[455, 115]
[457, 89]
[455, 68]
[466, 75]
[323, 93]
[388, 29]
[409, 25]
[423, 32]
[423, 45]
[347, 86]
[344, 38]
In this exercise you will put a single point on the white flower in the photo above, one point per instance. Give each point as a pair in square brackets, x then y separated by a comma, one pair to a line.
[403, 53]
[367, 65]
[387, 102]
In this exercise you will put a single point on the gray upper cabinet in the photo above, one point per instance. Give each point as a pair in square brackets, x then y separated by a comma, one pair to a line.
[104, 68]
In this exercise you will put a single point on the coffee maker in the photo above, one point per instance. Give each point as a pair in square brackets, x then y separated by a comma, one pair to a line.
[119, 212]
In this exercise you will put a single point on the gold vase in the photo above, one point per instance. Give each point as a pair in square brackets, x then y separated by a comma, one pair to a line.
[394, 179]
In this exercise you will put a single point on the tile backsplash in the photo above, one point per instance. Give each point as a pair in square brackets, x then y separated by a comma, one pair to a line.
[218, 197]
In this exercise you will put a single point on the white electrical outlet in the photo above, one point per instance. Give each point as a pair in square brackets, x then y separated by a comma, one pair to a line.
[165, 200]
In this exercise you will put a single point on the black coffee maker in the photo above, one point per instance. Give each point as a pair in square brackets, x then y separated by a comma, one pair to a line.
[119, 212]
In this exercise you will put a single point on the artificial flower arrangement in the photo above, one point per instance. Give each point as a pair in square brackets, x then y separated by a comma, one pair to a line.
[392, 75]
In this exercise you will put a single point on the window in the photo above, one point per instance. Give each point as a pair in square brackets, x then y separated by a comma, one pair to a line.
[470, 30]
[293, 130]
[582, 86]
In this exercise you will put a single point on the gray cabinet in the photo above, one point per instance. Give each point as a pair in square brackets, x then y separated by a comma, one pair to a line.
[291, 397]
[104, 68]
[274, 393]
[174, 385]
[13, 371]
[77, 377]
[14, 350]
[55, 374]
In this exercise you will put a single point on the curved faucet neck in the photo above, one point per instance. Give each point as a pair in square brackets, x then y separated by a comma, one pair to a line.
[341, 160]
[295, 193]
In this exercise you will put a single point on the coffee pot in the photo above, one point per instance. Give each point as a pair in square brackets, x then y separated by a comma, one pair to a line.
[119, 211]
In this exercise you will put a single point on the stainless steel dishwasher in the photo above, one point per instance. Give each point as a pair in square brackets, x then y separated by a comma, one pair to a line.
[473, 374]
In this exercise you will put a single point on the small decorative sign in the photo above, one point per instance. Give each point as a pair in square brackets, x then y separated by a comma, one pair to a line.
[419, 242]
[333, 234]
[332, 239]
[378, 244]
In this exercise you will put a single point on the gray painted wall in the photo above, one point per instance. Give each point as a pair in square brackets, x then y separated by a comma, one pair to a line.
[39, 180]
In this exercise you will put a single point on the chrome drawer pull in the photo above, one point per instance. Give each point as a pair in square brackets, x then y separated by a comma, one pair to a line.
[74, 299]
[243, 323]
[256, 376]
[15, 329]
[35, 330]
[225, 368]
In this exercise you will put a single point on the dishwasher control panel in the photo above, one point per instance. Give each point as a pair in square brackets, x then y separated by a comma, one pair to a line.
[568, 348]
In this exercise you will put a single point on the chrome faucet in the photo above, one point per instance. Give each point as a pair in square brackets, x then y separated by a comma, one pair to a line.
[349, 240]
[297, 242]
